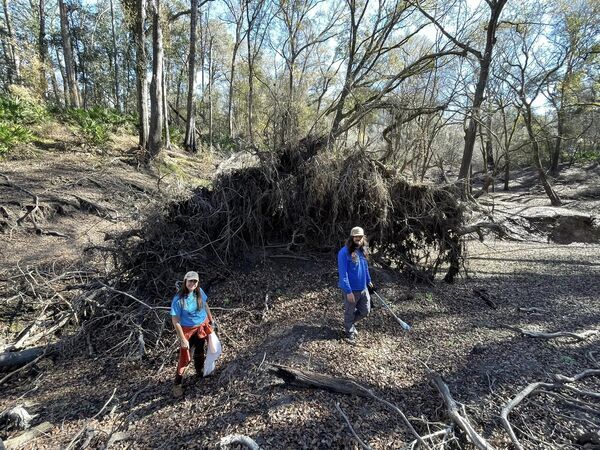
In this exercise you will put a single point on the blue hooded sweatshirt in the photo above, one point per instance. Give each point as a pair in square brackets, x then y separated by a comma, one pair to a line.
[354, 273]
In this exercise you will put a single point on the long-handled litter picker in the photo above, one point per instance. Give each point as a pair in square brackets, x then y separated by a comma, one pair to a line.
[404, 325]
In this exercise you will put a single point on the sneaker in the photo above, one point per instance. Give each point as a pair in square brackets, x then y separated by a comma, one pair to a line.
[177, 391]
[351, 337]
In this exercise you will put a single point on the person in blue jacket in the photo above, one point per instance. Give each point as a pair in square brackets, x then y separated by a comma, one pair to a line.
[353, 269]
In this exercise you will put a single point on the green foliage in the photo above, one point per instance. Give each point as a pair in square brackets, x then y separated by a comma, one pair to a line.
[12, 134]
[19, 111]
[15, 114]
[96, 123]
[584, 156]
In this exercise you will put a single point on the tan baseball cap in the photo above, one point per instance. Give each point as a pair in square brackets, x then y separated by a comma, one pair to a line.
[357, 231]
[191, 275]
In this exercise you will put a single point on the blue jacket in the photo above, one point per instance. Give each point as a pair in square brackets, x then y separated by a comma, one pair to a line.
[354, 274]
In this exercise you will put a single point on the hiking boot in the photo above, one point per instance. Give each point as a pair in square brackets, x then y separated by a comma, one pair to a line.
[177, 391]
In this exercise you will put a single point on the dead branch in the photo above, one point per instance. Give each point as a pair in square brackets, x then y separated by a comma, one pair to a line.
[485, 296]
[453, 411]
[560, 379]
[480, 226]
[534, 310]
[541, 334]
[231, 439]
[445, 433]
[360, 441]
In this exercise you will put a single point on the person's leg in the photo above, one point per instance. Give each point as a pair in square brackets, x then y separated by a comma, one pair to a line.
[349, 310]
[184, 360]
[363, 305]
[198, 354]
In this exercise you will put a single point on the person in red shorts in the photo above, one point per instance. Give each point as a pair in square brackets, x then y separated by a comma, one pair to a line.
[192, 320]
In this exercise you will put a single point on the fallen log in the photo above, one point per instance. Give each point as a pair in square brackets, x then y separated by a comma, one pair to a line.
[306, 379]
[13, 360]
[27, 436]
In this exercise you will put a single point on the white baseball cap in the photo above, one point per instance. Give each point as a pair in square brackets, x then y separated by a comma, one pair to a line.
[191, 275]
[357, 231]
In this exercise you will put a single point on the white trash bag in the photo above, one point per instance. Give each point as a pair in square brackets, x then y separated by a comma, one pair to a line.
[213, 353]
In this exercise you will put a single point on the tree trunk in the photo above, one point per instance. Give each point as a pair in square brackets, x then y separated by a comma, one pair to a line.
[210, 99]
[507, 172]
[155, 141]
[141, 72]
[64, 78]
[43, 48]
[72, 87]
[166, 110]
[118, 103]
[484, 69]
[231, 81]
[190, 125]
[555, 156]
[554, 199]
[15, 64]
[250, 78]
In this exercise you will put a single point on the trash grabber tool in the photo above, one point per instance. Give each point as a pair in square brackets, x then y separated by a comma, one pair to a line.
[404, 325]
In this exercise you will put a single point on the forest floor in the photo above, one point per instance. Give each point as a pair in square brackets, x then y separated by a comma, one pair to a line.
[114, 402]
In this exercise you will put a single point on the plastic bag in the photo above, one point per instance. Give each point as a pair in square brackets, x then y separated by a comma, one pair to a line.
[213, 353]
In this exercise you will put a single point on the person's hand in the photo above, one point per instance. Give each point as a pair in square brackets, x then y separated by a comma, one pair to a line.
[371, 288]
[183, 343]
[350, 297]
[214, 325]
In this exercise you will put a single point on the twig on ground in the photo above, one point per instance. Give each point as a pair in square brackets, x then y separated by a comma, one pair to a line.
[560, 379]
[541, 334]
[360, 441]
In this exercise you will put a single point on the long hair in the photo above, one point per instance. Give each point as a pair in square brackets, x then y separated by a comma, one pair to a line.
[184, 292]
[351, 246]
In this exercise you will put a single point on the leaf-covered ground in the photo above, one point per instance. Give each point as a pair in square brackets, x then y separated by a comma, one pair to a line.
[454, 332]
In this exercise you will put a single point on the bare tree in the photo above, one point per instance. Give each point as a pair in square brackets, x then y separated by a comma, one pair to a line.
[366, 50]
[528, 74]
[11, 53]
[141, 67]
[237, 11]
[190, 126]
[71, 77]
[115, 59]
[484, 60]
[576, 30]
[155, 141]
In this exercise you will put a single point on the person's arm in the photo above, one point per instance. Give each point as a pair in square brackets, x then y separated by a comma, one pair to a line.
[210, 317]
[343, 273]
[368, 274]
[183, 342]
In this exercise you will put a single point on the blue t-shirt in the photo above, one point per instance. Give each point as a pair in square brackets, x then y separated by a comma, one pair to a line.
[191, 314]
[354, 273]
